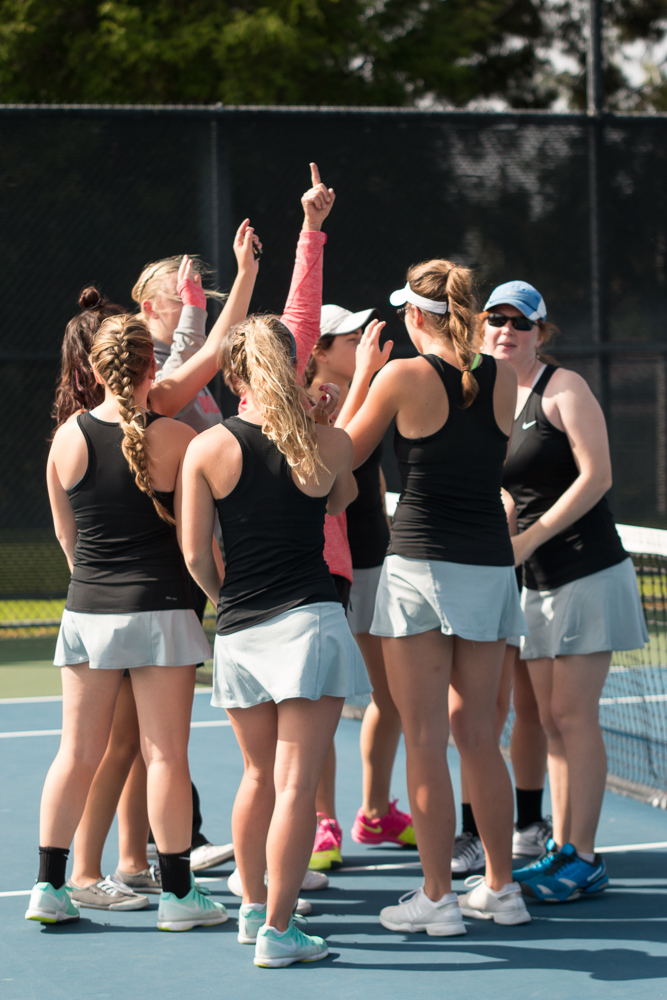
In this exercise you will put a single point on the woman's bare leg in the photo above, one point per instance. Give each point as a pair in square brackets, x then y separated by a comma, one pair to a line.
[89, 699]
[473, 698]
[92, 831]
[256, 730]
[529, 740]
[380, 731]
[133, 825]
[502, 708]
[326, 789]
[576, 690]
[541, 677]
[418, 672]
[164, 706]
[305, 733]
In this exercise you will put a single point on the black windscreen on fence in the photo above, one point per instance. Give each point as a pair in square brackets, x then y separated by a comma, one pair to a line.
[93, 194]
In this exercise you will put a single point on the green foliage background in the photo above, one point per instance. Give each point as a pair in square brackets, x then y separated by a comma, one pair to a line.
[314, 52]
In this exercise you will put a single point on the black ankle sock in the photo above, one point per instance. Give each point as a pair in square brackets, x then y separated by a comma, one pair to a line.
[469, 825]
[52, 865]
[175, 871]
[528, 807]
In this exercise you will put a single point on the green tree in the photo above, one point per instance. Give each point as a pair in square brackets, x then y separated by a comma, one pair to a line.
[624, 22]
[316, 52]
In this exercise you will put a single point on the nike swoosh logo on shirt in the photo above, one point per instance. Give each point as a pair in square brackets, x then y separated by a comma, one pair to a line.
[526, 426]
[569, 638]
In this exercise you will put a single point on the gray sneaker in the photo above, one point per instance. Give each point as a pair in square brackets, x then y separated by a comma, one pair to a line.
[149, 880]
[107, 895]
[532, 841]
[468, 857]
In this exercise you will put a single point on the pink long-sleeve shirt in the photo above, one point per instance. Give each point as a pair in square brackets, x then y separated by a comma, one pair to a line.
[302, 319]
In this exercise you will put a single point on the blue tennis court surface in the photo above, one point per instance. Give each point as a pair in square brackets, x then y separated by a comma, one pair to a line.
[614, 946]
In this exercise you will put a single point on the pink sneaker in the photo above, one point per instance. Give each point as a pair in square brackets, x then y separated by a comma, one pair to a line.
[328, 839]
[395, 828]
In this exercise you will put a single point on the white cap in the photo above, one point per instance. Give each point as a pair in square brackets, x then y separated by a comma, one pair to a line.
[335, 320]
[403, 295]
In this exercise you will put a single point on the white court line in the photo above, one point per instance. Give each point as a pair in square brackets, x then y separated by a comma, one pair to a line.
[59, 697]
[206, 724]
[633, 699]
[657, 845]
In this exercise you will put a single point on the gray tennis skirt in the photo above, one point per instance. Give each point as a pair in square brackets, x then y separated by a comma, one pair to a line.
[306, 652]
[599, 612]
[139, 639]
[362, 599]
[480, 603]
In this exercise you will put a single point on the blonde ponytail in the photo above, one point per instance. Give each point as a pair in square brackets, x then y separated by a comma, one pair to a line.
[122, 352]
[444, 281]
[259, 354]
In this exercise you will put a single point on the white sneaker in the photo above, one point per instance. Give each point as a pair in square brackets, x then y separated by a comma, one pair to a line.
[312, 882]
[532, 842]
[416, 912]
[504, 907]
[209, 856]
[468, 857]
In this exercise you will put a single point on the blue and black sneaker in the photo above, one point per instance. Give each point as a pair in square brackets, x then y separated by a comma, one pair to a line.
[567, 878]
[540, 866]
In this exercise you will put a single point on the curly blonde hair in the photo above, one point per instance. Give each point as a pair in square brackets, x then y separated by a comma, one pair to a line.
[258, 353]
[122, 352]
[445, 281]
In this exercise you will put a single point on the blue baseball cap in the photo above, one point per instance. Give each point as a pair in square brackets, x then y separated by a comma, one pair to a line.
[522, 296]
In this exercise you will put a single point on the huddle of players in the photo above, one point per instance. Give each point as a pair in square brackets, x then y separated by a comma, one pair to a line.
[478, 409]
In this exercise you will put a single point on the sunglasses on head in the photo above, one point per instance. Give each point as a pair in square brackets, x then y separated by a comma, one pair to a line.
[518, 322]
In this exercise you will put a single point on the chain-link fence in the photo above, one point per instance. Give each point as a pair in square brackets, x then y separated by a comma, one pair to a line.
[92, 194]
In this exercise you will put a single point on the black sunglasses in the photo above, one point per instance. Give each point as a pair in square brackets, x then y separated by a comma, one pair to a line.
[518, 322]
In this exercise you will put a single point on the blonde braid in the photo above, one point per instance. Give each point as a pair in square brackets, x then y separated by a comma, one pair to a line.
[444, 281]
[122, 352]
[259, 355]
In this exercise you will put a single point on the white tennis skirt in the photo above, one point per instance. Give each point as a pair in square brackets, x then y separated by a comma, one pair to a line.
[306, 652]
[140, 639]
[362, 599]
[598, 612]
[480, 603]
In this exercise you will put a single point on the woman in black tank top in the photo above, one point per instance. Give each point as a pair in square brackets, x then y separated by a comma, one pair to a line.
[378, 820]
[580, 593]
[284, 656]
[447, 597]
[114, 483]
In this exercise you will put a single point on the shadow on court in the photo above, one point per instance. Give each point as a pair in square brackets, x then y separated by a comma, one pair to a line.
[593, 949]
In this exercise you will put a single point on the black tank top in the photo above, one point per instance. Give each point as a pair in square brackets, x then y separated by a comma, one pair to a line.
[450, 507]
[273, 537]
[367, 528]
[539, 468]
[126, 559]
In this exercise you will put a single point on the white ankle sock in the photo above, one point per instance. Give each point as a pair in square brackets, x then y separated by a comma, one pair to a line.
[258, 907]
[586, 857]
[449, 897]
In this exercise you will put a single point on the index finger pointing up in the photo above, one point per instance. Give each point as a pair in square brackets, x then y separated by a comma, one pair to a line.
[315, 174]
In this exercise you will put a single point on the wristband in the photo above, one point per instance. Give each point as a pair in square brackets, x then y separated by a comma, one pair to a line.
[192, 294]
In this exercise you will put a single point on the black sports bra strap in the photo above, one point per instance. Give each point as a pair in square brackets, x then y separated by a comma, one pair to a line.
[543, 380]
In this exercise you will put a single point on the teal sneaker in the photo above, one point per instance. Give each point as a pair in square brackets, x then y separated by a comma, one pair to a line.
[51, 906]
[274, 950]
[194, 910]
[251, 919]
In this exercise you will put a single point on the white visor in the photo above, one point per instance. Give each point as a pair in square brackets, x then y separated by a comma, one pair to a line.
[403, 295]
